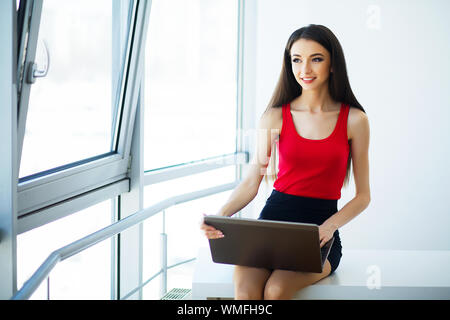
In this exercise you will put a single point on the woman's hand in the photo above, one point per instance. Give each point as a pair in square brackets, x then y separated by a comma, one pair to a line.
[326, 232]
[210, 231]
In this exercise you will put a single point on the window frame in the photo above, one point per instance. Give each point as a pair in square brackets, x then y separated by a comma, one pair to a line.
[134, 167]
[8, 161]
[59, 187]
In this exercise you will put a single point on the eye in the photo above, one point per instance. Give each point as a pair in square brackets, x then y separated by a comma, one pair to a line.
[296, 60]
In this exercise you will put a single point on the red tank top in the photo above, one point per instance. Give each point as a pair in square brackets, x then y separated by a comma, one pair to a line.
[312, 168]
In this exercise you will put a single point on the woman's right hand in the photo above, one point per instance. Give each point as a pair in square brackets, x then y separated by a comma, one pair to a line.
[210, 231]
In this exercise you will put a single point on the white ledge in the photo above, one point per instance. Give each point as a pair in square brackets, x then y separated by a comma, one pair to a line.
[361, 275]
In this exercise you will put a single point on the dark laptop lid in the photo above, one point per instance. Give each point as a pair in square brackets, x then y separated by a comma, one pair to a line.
[268, 244]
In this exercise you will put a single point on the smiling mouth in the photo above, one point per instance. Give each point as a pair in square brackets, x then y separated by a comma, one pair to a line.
[308, 80]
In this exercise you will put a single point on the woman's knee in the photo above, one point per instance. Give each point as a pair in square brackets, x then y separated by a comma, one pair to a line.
[276, 291]
[249, 282]
[248, 289]
[248, 293]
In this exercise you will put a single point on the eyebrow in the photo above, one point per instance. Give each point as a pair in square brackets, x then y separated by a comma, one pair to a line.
[314, 54]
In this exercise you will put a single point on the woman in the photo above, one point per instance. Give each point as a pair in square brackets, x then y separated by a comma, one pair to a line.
[319, 128]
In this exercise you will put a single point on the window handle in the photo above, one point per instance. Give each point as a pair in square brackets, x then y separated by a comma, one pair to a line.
[34, 72]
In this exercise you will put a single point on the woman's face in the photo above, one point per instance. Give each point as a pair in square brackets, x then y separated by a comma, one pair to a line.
[310, 60]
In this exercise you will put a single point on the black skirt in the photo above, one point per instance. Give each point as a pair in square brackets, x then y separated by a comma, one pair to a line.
[286, 207]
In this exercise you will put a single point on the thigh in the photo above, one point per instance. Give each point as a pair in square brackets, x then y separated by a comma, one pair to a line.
[249, 282]
[283, 284]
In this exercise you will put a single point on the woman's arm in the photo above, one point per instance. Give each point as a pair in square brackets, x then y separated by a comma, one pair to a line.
[246, 191]
[359, 133]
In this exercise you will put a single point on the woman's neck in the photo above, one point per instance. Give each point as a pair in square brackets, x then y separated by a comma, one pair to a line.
[313, 101]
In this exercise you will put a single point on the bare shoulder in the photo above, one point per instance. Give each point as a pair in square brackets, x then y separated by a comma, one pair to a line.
[358, 123]
[272, 118]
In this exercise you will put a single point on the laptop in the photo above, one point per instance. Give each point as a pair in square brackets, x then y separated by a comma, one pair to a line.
[268, 244]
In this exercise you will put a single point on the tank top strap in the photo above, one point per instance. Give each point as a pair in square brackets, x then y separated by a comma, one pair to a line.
[343, 119]
[286, 110]
[287, 119]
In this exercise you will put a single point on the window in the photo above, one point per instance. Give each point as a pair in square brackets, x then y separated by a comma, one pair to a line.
[86, 275]
[72, 110]
[190, 81]
[181, 224]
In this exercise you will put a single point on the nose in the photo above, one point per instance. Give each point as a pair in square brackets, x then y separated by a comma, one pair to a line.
[305, 68]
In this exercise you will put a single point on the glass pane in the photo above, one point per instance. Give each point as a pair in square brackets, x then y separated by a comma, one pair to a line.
[72, 109]
[181, 223]
[160, 191]
[152, 290]
[181, 276]
[190, 81]
[151, 240]
[86, 275]
[183, 226]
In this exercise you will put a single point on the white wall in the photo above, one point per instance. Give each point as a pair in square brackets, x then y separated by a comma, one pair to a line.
[397, 55]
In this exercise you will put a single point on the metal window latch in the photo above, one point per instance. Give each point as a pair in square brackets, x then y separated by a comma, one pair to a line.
[33, 72]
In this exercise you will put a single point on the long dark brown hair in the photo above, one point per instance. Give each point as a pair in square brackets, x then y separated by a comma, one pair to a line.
[288, 88]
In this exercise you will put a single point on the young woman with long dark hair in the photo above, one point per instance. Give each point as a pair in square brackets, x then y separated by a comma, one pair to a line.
[318, 129]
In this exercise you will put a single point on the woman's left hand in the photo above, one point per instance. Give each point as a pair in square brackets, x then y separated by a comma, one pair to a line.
[326, 232]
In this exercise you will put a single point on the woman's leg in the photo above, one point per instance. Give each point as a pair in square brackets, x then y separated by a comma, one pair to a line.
[249, 282]
[283, 284]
